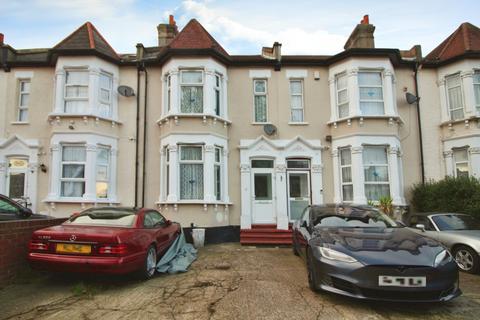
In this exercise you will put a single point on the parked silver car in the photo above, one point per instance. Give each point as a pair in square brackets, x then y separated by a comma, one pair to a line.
[459, 232]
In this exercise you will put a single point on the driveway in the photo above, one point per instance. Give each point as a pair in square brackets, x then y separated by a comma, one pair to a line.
[228, 281]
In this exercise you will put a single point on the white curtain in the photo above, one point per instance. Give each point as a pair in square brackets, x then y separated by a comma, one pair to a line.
[261, 108]
[371, 93]
[73, 171]
[192, 99]
[376, 172]
[191, 181]
[455, 100]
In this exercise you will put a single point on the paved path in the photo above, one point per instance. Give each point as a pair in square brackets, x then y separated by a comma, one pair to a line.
[228, 281]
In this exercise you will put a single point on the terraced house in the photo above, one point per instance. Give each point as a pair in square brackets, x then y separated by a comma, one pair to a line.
[233, 142]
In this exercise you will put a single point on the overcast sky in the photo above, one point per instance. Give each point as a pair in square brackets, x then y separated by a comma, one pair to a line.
[241, 27]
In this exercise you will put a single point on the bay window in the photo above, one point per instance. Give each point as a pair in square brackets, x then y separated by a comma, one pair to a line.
[260, 100]
[105, 95]
[191, 172]
[476, 89]
[76, 91]
[191, 84]
[460, 157]
[103, 172]
[296, 101]
[346, 174]
[72, 181]
[371, 93]
[23, 100]
[375, 164]
[342, 95]
[454, 97]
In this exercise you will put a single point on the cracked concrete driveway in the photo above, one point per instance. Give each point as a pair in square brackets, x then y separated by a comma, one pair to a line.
[228, 281]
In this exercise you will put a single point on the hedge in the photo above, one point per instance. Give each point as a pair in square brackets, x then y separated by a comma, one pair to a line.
[448, 195]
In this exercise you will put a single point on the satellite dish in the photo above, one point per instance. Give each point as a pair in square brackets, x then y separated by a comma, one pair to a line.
[125, 91]
[411, 99]
[269, 129]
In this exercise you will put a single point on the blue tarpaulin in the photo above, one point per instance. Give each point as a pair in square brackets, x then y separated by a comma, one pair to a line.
[178, 257]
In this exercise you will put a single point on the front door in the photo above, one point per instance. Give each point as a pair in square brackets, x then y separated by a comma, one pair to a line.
[298, 193]
[17, 179]
[263, 201]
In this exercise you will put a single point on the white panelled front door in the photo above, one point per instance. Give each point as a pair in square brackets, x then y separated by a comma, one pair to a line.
[263, 200]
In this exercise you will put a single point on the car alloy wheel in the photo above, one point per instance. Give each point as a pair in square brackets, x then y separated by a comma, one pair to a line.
[467, 260]
[151, 262]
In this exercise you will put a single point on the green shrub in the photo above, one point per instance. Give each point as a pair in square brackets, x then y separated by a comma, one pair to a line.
[448, 195]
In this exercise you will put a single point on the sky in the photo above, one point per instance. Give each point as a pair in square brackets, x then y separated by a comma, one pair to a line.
[241, 27]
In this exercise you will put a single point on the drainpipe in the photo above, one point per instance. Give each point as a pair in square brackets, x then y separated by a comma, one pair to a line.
[144, 133]
[137, 123]
[417, 67]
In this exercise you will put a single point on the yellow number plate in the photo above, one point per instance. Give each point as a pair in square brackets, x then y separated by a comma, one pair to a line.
[73, 248]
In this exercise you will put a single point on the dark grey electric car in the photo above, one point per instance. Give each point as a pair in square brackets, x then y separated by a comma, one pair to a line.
[360, 252]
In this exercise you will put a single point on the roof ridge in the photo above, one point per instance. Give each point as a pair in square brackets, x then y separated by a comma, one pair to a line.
[90, 35]
[104, 40]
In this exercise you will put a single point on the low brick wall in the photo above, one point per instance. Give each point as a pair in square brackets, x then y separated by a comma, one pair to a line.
[14, 238]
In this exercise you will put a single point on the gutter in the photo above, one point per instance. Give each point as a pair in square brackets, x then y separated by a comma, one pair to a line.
[144, 134]
[417, 67]
[136, 136]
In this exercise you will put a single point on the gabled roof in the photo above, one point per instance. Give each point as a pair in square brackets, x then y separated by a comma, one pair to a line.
[466, 39]
[194, 36]
[87, 37]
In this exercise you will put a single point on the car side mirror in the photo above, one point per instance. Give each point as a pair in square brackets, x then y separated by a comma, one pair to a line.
[420, 227]
[168, 223]
[304, 224]
[400, 223]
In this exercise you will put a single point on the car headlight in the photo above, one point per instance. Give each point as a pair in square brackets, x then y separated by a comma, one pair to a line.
[335, 255]
[442, 258]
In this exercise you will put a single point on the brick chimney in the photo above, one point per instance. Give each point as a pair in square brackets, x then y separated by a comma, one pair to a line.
[2, 38]
[167, 31]
[362, 35]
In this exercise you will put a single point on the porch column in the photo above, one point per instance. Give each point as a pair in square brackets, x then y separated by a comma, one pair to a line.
[337, 194]
[281, 203]
[317, 183]
[173, 175]
[394, 176]
[3, 175]
[246, 217]
[358, 177]
[208, 174]
[449, 168]
[32, 184]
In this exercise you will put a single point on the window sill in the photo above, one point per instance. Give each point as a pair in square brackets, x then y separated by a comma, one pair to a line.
[177, 116]
[362, 118]
[195, 202]
[260, 123]
[52, 117]
[449, 123]
[20, 122]
[79, 200]
[298, 123]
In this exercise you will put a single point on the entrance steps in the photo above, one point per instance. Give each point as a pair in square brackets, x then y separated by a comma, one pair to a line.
[266, 234]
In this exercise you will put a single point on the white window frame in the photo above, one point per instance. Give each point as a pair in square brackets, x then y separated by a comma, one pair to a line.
[67, 85]
[180, 162]
[385, 148]
[476, 84]
[62, 163]
[447, 88]
[344, 166]
[456, 163]
[337, 94]
[302, 107]
[108, 166]
[382, 86]
[21, 93]
[265, 93]
[218, 181]
[108, 102]
[195, 84]
[168, 93]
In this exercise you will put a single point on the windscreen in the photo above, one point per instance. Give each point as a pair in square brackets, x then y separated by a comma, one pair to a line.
[104, 217]
[349, 217]
[456, 222]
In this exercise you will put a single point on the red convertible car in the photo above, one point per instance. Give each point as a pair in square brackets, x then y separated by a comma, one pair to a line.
[104, 240]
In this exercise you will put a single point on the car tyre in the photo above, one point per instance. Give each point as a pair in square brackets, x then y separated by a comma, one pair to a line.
[149, 265]
[312, 276]
[467, 259]
[294, 248]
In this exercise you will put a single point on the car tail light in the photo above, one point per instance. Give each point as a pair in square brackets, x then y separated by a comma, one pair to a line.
[114, 249]
[38, 246]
